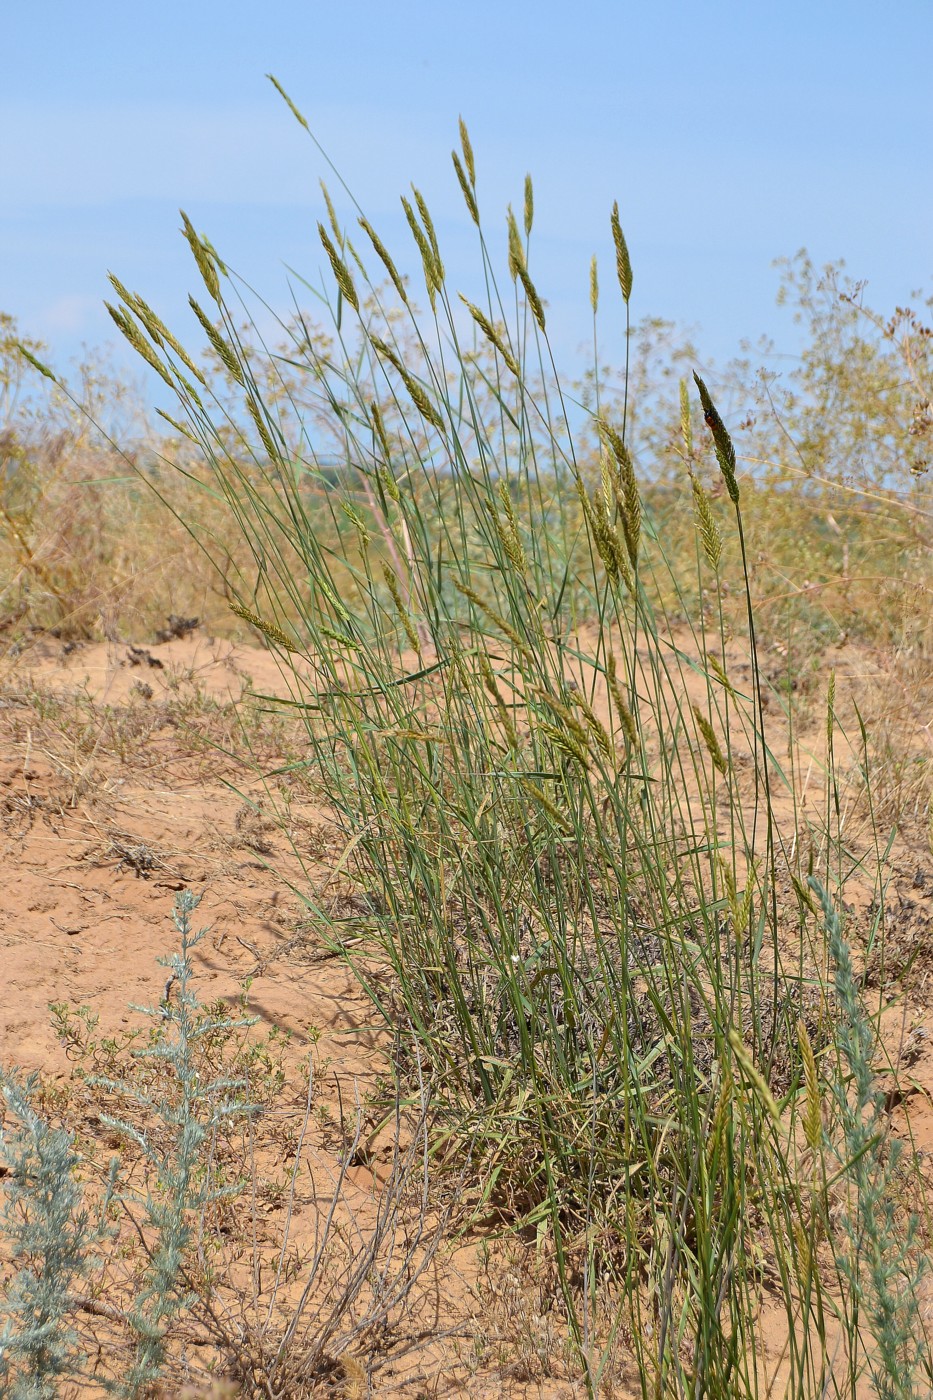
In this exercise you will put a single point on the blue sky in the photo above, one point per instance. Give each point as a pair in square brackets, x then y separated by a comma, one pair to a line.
[730, 133]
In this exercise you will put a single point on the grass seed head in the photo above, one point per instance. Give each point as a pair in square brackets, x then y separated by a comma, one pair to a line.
[383, 254]
[623, 262]
[340, 269]
[722, 442]
[469, 196]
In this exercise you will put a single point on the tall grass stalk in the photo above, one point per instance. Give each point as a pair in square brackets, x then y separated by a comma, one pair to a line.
[555, 790]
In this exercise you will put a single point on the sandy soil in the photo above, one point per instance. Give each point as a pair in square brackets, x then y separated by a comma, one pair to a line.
[115, 794]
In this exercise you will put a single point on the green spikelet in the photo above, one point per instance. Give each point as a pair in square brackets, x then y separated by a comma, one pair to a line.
[623, 262]
[134, 335]
[222, 348]
[813, 1114]
[711, 742]
[272, 630]
[202, 256]
[831, 708]
[594, 723]
[431, 279]
[383, 254]
[467, 149]
[686, 420]
[504, 627]
[428, 222]
[469, 196]
[529, 206]
[288, 101]
[505, 719]
[754, 1075]
[594, 284]
[418, 396]
[626, 718]
[719, 671]
[491, 334]
[340, 269]
[508, 529]
[331, 212]
[707, 529]
[563, 741]
[725, 452]
[628, 497]
[173, 423]
[391, 583]
[516, 251]
[30, 359]
[160, 333]
[262, 428]
[534, 301]
[553, 811]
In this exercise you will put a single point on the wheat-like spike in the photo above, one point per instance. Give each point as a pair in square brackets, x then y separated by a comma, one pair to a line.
[262, 428]
[511, 540]
[831, 708]
[623, 262]
[711, 742]
[491, 334]
[383, 254]
[340, 269]
[272, 630]
[466, 188]
[813, 1114]
[392, 585]
[550, 807]
[505, 719]
[421, 401]
[357, 521]
[428, 222]
[594, 284]
[288, 101]
[610, 548]
[728, 879]
[534, 301]
[173, 423]
[160, 332]
[431, 279]
[743, 912]
[720, 1119]
[708, 530]
[223, 349]
[30, 359]
[562, 712]
[529, 210]
[516, 251]
[202, 256]
[686, 420]
[467, 152]
[379, 428]
[134, 335]
[930, 829]
[754, 1075]
[722, 442]
[719, 671]
[566, 744]
[331, 212]
[504, 627]
[629, 499]
[596, 726]
[418, 396]
[626, 718]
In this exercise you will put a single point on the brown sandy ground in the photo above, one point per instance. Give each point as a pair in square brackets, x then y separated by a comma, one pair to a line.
[118, 788]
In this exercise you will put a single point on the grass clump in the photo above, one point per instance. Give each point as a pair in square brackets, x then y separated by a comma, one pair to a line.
[542, 727]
